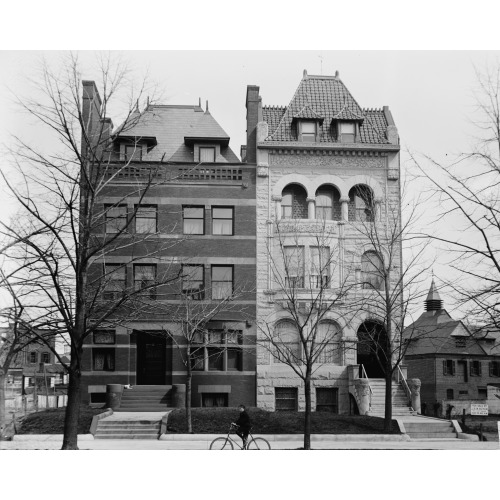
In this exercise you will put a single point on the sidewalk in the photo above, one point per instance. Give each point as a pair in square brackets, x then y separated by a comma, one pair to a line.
[278, 442]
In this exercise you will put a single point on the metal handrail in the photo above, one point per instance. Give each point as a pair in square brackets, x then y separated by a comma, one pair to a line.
[406, 387]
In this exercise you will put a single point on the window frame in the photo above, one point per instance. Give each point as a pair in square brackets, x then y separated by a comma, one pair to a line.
[290, 346]
[184, 219]
[118, 286]
[494, 368]
[152, 292]
[324, 280]
[280, 392]
[35, 360]
[306, 135]
[207, 148]
[137, 209]
[450, 392]
[108, 219]
[344, 136]
[96, 333]
[322, 407]
[45, 356]
[372, 279]
[449, 367]
[191, 292]
[475, 368]
[212, 281]
[218, 207]
[106, 351]
[137, 151]
[292, 190]
[294, 280]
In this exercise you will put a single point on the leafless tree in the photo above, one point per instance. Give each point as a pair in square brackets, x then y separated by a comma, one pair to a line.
[298, 332]
[64, 233]
[466, 195]
[391, 283]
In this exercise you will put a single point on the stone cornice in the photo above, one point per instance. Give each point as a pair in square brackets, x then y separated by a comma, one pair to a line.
[285, 147]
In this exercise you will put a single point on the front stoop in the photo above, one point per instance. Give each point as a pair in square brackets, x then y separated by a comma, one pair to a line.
[400, 406]
[127, 429]
[146, 398]
[430, 430]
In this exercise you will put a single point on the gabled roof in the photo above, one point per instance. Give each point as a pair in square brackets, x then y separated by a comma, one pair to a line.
[329, 98]
[435, 332]
[306, 113]
[170, 125]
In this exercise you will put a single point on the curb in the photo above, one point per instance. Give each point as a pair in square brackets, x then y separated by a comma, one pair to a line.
[39, 438]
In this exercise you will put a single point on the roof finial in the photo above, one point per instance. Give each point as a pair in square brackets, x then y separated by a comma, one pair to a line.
[199, 102]
[304, 75]
[337, 75]
[206, 111]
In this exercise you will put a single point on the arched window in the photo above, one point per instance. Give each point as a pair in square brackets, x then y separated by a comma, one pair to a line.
[328, 343]
[372, 271]
[294, 202]
[361, 204]
[286, 342]
[328, 206]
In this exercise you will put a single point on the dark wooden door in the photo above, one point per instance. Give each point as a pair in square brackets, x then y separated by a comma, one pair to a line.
[151, 359]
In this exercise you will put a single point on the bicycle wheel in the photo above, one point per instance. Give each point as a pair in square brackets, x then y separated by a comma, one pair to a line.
[258, 444]
[221, 444]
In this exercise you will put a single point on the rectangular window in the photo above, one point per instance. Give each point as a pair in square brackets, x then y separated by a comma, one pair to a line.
[320, 267]
[308, 131]
[114, 281]
[33, 357]
[222, 282]
[193, 283]
[104, 337]
[207, 155]
[193, 220]
[449, 394]
[103, 360]
[347, 132]
[482, 392]
[234, 359]
[145, 278]
[294, 267]
[327, 399]
[475, 368]
[116, 218]
[460, 342]
[198, 358]
[146, 217]
[214, 400]
[449, 367]
[133, 153]
[285, 398]
[494, 368]
[222, 220]
[45, 357]
[215, 359]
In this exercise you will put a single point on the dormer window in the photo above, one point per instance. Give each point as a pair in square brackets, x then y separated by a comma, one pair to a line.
[133, 152]
[207, 155]
[308, 131]
[347, 132]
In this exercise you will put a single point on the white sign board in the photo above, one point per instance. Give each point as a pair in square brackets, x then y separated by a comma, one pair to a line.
[478, 409]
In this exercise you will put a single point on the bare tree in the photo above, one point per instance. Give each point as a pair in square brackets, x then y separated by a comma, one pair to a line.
[64, 232]
[299, 332]
[466, 195]
[390, 283]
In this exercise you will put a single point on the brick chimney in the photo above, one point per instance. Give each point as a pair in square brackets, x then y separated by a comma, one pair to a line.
[254, 115]
[91, 111]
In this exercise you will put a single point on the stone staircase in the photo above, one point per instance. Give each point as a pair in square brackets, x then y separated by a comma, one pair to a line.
[127, 429]
[146, 398]
[430, 429]
[400, 403]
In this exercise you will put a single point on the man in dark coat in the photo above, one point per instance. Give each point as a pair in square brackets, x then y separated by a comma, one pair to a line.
[243, 425]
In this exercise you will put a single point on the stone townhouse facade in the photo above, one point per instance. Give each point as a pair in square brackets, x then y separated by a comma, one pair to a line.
[456, 367]
[196, 221]
[324, 165]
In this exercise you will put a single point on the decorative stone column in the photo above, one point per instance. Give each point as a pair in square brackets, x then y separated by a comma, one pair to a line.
[345, 208]
[378, 209]
[277, 205]
[311, 208]
[414, 385]
[114, 396]
[363, 392]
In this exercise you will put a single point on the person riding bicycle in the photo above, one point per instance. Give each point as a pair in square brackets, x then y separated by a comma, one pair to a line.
[243, 425]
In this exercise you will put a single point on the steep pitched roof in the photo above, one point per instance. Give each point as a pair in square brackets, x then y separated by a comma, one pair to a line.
[435, 332]
[171, 124]
[272, 115]
[327, 97]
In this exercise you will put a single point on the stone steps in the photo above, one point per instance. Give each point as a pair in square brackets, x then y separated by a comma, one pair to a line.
[146, 398]
[127, 429]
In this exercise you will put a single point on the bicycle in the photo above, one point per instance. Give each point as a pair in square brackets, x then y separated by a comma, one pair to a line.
[227, 443]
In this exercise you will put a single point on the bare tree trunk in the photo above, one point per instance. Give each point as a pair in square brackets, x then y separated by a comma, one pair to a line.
[307, 420]
[388, 400]
[3, 380]
[70, 440]
[189, 378]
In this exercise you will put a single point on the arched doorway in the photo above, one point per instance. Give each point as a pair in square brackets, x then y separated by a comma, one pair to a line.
[372, 338]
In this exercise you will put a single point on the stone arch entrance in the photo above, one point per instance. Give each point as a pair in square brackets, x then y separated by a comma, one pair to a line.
[371, 339]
